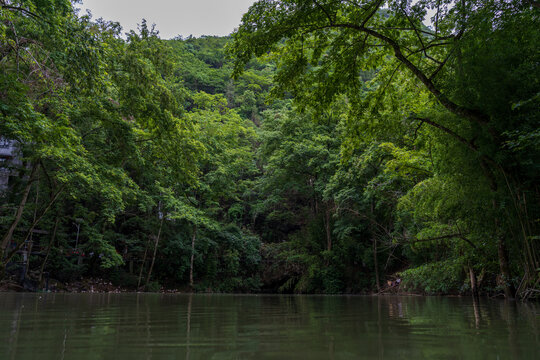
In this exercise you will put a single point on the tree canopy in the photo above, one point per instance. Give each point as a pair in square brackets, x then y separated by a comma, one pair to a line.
[325, 147]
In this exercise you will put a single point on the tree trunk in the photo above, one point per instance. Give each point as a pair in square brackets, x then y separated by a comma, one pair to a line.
[51, 242]
[154, 254]
[376, 264]
[31, 242]
[142, 266]
[328, 230]
[8, 256]
[474, 287]
[18, 214]
[509, 290]
[192, 256]
[27, 262]
[375, 260]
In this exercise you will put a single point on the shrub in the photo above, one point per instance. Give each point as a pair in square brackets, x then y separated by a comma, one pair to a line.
[441, 277]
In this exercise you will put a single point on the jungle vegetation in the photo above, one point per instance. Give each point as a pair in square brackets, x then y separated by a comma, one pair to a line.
[324, 147]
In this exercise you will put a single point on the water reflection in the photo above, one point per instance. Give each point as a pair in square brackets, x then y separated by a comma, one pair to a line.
[190, 301]
[476, 309]
[156, 326]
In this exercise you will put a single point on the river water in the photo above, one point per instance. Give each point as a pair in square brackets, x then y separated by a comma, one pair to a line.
[159, 326]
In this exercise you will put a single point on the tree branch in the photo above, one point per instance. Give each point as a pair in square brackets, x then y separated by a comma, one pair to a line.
[423, 49]
[23, 10]
[443, 237]
[470, 114]
[458, 137]
[324, 11]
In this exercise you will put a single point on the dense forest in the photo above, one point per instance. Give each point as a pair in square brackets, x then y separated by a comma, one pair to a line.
[324, 147]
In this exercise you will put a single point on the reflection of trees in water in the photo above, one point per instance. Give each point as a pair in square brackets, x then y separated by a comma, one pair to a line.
[509, 313]
[476, 309]
[379, 326]
[199, 326]
[188, 326]
[395, 307]
[14, 330]
[529, 312]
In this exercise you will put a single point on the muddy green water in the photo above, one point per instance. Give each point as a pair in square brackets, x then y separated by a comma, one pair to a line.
[155, 326]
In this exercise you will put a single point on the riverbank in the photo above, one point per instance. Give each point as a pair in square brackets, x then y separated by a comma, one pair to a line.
[89, 285]
[100, 285]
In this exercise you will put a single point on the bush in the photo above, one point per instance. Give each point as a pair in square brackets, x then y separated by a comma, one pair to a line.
[153, 286]
[435, 278]
[120, 277]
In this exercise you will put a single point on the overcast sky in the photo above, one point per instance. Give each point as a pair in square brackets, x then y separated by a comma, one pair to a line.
[173, 17]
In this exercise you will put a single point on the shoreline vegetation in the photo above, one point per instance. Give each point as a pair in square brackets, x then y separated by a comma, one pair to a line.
[106, 286]
[103, 286]
[325, 147]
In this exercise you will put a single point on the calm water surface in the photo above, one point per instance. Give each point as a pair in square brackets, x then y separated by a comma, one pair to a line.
[156, 326]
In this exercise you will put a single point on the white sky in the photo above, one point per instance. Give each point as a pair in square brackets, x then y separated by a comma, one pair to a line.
[172, 17]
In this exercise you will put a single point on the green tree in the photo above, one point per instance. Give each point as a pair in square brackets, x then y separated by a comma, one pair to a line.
[323, 47]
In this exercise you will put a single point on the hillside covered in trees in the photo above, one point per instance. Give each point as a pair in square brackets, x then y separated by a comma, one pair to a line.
[325, 147]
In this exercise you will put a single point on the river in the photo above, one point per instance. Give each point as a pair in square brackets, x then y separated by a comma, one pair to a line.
[205, 326]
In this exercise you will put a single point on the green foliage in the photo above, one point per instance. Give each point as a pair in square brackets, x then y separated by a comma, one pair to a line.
[353, 144]
[119, 277]
[153, 286]
[438, 101]
[443, 277]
